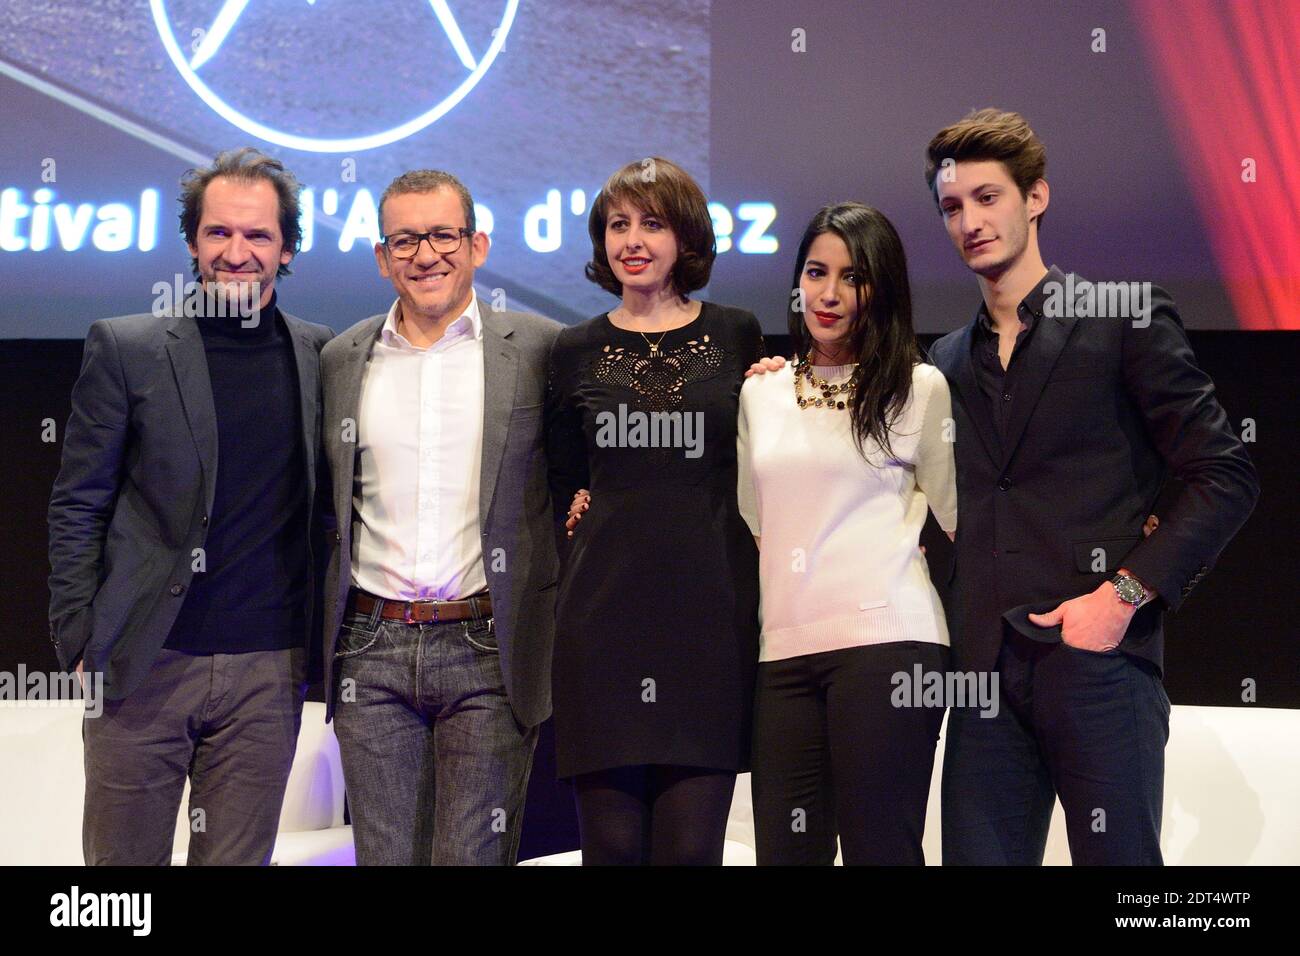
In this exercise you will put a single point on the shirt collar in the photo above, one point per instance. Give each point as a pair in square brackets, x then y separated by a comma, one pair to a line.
[469, 324]
[1031, 306]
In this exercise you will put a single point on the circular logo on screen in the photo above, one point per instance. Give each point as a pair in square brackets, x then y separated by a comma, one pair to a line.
[420, 55]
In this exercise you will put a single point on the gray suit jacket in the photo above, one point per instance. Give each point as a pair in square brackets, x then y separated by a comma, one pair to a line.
[515, 513]
[136, 485]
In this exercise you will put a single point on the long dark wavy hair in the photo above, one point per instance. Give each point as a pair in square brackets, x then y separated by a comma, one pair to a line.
[881, 338]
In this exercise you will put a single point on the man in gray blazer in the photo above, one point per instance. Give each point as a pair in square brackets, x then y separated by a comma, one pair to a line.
[440, 590]
[182, 565]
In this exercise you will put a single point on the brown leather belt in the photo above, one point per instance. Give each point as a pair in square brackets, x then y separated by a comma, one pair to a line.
[477, 607]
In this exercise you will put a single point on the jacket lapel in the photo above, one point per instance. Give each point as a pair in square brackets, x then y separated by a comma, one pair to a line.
[961, 373]
[190, 367]
[307, 359]
[346, 405]
[500, 370]
[1035, 367]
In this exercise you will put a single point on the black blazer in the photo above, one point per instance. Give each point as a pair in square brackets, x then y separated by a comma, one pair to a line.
[136, 485]
[1105, 412]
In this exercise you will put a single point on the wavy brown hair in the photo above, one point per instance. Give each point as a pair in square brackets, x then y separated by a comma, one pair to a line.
[990, 134]
[658, 187]
[246, 165]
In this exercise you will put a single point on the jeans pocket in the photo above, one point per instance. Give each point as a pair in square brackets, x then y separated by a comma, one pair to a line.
[355, 637]
[482, 636]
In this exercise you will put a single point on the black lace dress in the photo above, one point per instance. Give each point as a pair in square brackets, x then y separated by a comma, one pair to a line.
[656, 639]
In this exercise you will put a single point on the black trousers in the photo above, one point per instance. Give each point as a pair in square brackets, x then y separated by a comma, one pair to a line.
[834, 758]
[1088, 727]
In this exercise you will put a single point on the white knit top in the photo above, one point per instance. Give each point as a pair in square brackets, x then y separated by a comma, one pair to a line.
[839, 562]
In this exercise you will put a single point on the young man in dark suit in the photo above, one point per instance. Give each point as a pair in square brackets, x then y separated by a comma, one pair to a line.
[1073, 403]
[180, 545]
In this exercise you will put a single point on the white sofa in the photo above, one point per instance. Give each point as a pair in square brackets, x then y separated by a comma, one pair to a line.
[1232, 788]
[44, 791]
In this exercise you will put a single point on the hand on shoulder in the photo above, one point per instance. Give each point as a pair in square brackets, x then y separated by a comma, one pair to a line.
[771, 363]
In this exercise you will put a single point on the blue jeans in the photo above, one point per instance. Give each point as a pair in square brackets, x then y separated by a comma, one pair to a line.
[1088, 727]
[435, 763]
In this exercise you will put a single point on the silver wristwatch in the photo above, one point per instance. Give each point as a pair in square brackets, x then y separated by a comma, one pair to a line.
[1129, 589]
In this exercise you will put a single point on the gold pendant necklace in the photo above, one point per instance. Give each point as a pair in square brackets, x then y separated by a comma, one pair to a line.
[654, 346]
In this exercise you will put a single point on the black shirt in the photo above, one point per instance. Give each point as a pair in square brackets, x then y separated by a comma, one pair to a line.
[253, 593]
[999, 385]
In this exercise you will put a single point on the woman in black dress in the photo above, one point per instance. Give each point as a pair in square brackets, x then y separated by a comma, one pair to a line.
[657, 615]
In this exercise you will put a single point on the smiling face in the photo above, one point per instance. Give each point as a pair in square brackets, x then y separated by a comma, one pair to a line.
[641, 248]
[830, 287]
[987, 217]
[238, 240]
[432, 285]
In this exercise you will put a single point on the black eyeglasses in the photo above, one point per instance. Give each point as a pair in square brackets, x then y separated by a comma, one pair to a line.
[405, 245]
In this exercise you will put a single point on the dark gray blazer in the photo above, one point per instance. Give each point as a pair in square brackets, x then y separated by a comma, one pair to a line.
[136, 484]
[515, 513]
[1107, 413]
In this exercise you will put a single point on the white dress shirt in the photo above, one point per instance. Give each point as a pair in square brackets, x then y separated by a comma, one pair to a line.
[420, 446]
